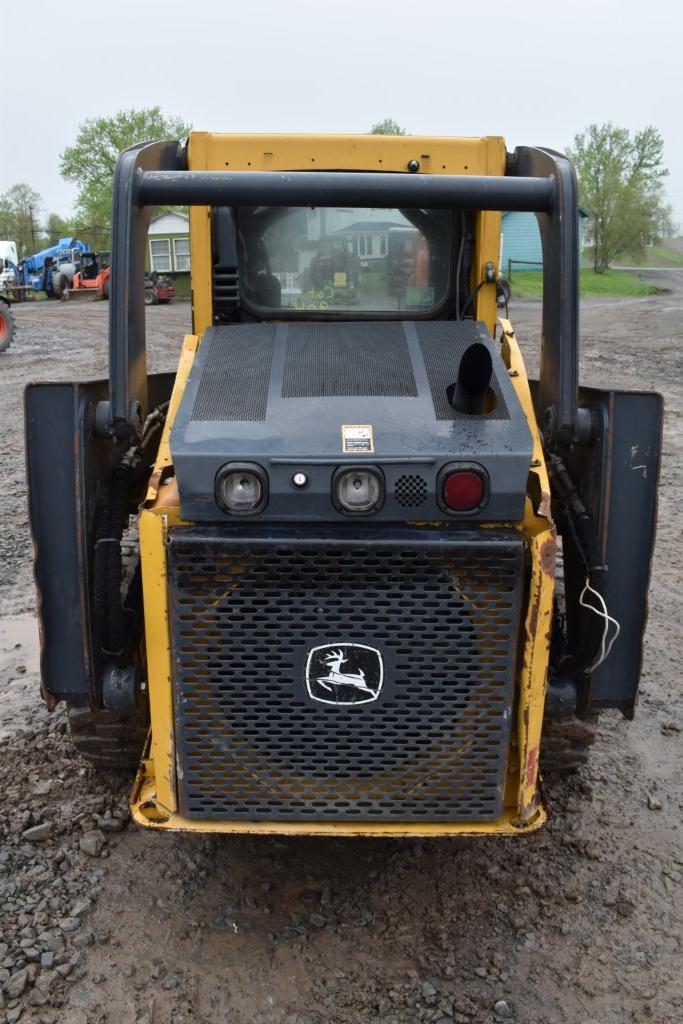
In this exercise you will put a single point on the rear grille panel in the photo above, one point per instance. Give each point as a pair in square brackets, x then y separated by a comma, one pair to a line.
[443, 608]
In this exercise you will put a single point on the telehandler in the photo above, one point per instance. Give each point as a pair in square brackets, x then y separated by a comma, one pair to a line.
[348, 570]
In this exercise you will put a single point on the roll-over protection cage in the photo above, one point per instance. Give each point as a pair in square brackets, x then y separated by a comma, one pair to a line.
[537, 180]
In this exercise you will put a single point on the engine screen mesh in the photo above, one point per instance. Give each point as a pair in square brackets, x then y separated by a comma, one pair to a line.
[236, 375]
[443, 344]
[345, 360]
[252, 743]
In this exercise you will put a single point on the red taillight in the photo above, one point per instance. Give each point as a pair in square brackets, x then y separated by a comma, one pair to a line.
[463, 490]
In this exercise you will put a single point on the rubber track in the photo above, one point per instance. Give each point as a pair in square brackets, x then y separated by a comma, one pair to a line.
[107, 739]
[566, 743]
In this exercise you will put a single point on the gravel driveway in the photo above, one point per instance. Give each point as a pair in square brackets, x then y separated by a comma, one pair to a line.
[578, 924]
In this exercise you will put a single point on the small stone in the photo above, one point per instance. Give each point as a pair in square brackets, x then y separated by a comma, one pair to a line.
[14, 1014]
[92, 842]
[38, 997]
[16, 984]
[428, 990]
[502, 1009]
[317, 920]
[109, 823]
[47, 979]
[624, 906]
[43, 787]
[69, 924]
[653, 803]
[80, 908]
[38, 833]
[481, 972]
[170, 981]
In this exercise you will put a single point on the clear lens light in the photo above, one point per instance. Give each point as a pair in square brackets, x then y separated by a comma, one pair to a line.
[358, 490]
[241, 491]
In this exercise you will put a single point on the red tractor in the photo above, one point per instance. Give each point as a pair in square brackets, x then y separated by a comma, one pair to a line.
[158, 289]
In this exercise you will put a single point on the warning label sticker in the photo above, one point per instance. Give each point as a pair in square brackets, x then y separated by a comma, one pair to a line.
[357, 438]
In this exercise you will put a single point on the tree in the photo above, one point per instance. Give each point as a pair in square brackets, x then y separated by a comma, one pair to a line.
[56, 228]
[387, 127]
[19, 208]
[91, 160]
[621, 186]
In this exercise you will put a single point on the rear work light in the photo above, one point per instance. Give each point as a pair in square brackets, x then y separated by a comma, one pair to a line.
[358, 490]
[242, 488]
[463, 488]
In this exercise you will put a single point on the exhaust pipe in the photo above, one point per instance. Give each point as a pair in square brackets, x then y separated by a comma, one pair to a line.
[468, 393]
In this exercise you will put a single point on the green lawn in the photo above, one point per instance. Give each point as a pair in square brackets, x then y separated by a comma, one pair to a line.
[528, 284]
[655, 256]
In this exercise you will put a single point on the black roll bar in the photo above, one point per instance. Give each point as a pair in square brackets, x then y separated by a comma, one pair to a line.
[151, 174]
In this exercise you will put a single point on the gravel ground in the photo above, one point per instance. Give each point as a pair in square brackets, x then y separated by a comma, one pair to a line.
[578, 924]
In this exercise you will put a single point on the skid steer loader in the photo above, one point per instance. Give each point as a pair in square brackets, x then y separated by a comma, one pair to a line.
[348, 570]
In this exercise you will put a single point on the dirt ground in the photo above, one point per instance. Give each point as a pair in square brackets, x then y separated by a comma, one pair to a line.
[580, 923]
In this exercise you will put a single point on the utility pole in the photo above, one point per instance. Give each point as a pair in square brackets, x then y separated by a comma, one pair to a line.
[33, 230]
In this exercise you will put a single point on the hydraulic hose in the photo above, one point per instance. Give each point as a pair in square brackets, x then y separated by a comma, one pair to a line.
[577, 521]
[118, 618]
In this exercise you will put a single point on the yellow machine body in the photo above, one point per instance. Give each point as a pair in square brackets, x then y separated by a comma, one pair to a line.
[154, 799]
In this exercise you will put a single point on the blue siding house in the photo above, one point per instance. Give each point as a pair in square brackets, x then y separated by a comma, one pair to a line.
[522, 240]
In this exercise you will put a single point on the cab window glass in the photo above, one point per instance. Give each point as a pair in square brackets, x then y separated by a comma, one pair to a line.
[344, 259]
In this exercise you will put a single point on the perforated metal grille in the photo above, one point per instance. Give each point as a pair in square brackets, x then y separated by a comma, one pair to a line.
[245, 613]
[442, 344]
[410, 490]
[328, 360]
[236, 376]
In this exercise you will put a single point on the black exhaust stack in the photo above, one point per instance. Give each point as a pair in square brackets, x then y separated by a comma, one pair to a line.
[468, 393]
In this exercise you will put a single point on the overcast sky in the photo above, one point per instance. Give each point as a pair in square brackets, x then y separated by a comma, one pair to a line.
[529, 70]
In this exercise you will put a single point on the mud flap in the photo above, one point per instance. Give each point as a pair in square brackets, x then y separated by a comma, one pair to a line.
[617, 475]
[66, 463]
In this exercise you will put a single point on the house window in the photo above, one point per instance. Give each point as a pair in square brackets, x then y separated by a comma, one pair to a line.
[365, 245]
[160, 254]
[181, 253]
[382, 245]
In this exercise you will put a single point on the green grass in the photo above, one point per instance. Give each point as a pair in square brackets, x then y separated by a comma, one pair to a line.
[528, 284]
[655, 256]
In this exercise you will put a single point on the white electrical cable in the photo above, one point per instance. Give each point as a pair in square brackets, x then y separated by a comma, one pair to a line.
[602, 612]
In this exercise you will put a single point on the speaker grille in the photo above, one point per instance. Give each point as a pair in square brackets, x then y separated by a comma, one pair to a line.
[410, 491]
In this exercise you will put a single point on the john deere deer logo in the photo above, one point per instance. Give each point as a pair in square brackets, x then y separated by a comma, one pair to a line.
[344, 673]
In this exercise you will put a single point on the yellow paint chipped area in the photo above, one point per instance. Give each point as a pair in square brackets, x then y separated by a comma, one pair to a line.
[163, 459]
[147, 811]
[158, 645]
[539, 531]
